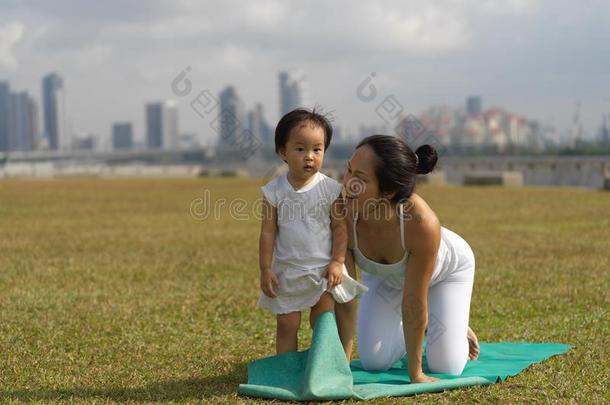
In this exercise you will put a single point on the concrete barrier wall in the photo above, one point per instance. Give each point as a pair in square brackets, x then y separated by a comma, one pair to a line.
[494, 178]
[591, 172]
[50, 170]
[437, 177]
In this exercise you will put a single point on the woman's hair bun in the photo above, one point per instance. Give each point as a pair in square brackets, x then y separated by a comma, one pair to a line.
[426, 159]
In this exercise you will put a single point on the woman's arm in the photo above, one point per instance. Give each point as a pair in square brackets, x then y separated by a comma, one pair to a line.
[423, 246]
[266, 242]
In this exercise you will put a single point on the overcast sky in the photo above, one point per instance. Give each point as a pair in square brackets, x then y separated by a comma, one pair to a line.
[533, 57]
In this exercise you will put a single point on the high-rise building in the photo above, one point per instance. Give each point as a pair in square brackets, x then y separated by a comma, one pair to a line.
[15, 122]
[170, 116]
[122, 136]
[293, 91]
[154, 125]
[4, 115]
[53, 99]
[162, 125]
[22, 122]
[34, 122]
[258, 125]
[233, 119]
[474, 105]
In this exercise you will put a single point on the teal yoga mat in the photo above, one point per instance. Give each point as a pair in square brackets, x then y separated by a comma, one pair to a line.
[322, 372]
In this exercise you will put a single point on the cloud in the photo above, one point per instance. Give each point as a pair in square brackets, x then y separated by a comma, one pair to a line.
[417, 26]
[508, 7]
[10, 35]
[121, 54]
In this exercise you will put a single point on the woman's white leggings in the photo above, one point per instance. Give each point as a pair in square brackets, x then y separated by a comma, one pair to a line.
[380, 334]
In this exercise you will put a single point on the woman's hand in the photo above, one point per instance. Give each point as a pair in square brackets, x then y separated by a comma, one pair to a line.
[334, 273]
[269, 283]
[422, 378]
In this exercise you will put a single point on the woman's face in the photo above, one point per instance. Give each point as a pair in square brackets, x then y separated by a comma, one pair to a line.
[360, 180]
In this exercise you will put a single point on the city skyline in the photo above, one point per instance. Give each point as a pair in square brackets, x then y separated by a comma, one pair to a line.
[469, 127]
[293, 92]
[457, 127]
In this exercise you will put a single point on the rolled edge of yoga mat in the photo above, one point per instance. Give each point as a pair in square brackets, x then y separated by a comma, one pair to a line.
[318, 373]
[327, 370]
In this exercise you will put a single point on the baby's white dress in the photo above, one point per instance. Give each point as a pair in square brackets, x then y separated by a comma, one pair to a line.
[303, 245]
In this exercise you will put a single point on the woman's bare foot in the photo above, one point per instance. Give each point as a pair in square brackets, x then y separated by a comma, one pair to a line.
[473, 345]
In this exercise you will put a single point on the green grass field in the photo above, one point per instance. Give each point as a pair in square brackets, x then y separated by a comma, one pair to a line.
[110, 290]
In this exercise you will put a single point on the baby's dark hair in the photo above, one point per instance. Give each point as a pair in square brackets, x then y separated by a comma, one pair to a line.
[298, 117]
[397, 165]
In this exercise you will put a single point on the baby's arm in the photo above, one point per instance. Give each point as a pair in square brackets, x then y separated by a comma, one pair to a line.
[339, 242]
[268, 279]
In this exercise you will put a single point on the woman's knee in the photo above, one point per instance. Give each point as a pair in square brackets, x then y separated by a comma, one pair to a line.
[447, 366]
[447, 360]
[376, 359]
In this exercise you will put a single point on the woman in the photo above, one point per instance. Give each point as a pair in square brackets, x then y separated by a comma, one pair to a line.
[419, 274]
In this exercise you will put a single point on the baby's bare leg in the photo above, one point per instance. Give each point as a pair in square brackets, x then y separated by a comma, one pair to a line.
[346, 324]
[326, 303]
[346, 313]
[286, 339]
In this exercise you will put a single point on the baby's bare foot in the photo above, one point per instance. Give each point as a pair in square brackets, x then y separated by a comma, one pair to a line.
[473, 345]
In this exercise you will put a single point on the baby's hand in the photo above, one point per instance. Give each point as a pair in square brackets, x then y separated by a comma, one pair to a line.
[334, 273]
[269, 283]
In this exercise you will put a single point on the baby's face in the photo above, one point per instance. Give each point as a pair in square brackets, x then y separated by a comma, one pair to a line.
[304, 151]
